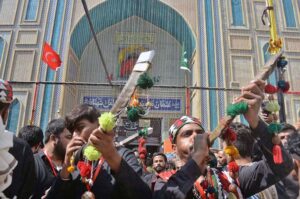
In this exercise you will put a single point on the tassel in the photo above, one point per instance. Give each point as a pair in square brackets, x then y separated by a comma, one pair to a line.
[145, 81]
[84, 168]
[236, 109]
[141, 149]
[230, 135]
[233, 167]
[272, 106]
[283, 85]
[133, 113]
[270, 89]
[274, 128]
[277, 154]
[231, 151]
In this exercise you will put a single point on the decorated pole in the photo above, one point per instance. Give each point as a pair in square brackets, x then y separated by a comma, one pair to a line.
[275, 43]
[107, 122]
[266, 71]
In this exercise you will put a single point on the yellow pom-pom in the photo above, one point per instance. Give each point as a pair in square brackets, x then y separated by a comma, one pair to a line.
[91, 153]
[231, 151]
[71, 169]
[107, 121]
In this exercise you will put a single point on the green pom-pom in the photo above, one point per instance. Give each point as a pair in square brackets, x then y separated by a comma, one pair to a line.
[236, 109]
[145, 81]
[107, 121]
[91, 153]
[134, 113]
[274, 128]
[143, 132]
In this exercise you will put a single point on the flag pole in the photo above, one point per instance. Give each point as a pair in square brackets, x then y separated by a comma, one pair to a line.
[187, 95]
[31, 122]
[96, 41]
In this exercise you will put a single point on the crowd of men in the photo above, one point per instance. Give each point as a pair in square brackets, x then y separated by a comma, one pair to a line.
[37, 165]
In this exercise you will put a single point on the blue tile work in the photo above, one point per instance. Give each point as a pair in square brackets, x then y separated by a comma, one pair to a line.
[203, 71]
[13, 117]
[50, 73]
[289, 13]
[237, 13]
[31, 11]
[65, 34]
[1, 48]
[211, 62]
[219, 59]
[43, 69]
[219, 54]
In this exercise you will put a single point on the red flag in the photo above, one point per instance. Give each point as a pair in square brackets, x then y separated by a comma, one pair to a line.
[50, 57]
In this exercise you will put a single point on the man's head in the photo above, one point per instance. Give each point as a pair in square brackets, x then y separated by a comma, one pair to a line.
[57, 137]
[159, 162]
[33, 135]
[182, 134]
[82, 120]
[286, 131]
[6, 97]
[245, 141]
[221, 158]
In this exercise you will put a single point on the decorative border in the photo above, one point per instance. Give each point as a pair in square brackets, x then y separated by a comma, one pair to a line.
[12, 64]
[20, 32]
[38, 14]
[231, 65]
[244, 13]
[233, 36]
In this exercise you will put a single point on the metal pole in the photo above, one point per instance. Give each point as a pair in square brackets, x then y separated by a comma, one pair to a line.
[280, 98]
[96, 41]
[187, 95]
[34, 103]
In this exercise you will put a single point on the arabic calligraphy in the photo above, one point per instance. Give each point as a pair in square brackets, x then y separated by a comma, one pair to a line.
[159, 104]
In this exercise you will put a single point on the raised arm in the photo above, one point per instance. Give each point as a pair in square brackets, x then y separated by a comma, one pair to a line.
[264, 173]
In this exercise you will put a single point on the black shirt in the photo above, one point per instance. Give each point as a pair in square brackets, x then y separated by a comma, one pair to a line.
[44, 174]
[23, 178]
[127, 183]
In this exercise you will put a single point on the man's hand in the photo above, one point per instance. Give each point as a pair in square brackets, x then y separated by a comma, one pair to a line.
[75, 143]
[104, 142]
[200, 152]
[252, 94]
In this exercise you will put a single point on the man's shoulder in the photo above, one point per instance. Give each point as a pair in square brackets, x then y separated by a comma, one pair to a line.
[123, 151]
[39, 157]
[20, 148]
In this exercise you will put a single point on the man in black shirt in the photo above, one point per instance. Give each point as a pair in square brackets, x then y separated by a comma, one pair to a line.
[117, 174]
[33, 135]
[190, 144]
[49, 161]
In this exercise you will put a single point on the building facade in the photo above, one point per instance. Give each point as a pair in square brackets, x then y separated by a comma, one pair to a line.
[225, 43]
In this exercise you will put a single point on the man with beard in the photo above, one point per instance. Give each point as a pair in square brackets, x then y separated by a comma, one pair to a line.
[50, 161]
[196, 180]
[155, 180]
[159, 162]
[116, 174]
[289, 186]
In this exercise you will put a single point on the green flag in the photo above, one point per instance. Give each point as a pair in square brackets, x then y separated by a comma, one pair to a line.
[183, 60]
